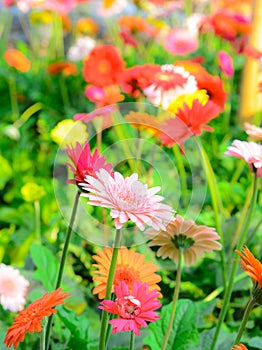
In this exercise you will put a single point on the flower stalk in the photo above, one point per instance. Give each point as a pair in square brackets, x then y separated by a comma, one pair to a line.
[250, 305]
[104, 319]
[132, 341]
[235, 263]
[175, 299]
[63, 260]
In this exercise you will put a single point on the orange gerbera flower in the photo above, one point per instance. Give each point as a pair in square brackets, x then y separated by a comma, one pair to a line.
[16, 59]
[251, 265]
[130, 267]
[86, 26]
[30, 318]
[239, 347]
[103, 66]
[144, 121]
[66, 68]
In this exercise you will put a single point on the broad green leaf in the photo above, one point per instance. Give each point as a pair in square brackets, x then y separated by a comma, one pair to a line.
[205, 309]
[47, 266]
[183, 335]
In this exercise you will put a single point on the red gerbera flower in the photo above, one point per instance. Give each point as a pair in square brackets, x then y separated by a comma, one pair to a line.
[103, 66]
[189, 121]
[30, 318]
[84, 163]
[133, 309]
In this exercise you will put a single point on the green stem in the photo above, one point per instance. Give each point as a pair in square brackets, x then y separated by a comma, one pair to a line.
[63, 260]
[249, 308]
[188, 7]
[110, 280]
[42, 334]
[175, 298]
[182, 174]
[13, 97]
[132, 341]
[235, 264]
[37, 220]
[64, 92]
[216, 204]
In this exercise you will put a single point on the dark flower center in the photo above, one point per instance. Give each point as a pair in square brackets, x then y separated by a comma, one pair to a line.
[182, 242]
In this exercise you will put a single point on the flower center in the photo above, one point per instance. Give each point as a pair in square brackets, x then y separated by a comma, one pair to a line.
[103, 66]
[7, 287]
[182, 242]
[125, 274]
[164, 77]
[128, 307]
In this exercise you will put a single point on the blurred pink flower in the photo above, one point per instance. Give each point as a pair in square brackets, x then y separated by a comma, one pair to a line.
[250, 152]
[94, 93]
[253, 131]
[84, 162]
[225, 64]
[13, 288]
[168, 83]
[134, 309]
[128, 199]
[184, 234]
[108, 8]
[60, 6]
[181, 42]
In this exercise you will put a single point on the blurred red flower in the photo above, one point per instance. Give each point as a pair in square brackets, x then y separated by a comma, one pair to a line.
[103, 66]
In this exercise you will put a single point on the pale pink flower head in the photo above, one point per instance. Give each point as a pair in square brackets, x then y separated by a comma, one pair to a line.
[128, 199]
[254, 132]
[108, 8]
[182, 234]
[168, 83]
[250, 152]
[133, 309]
[84, 162]
[180, 41]
[13, 288]
[225, 63]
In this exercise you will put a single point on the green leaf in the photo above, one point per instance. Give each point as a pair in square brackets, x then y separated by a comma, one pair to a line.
[47, 266]
[205, 309]
[183, 335]
[6, 172]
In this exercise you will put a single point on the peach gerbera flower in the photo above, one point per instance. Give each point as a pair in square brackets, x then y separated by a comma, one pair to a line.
[103, 66]
[239, 347]
[134, 309]
[130, 267]
[193, 239]
[250, 152]
[144, 121]
[16, 59]
[251, 265]
[30, 318]
[13, 288]
[128, 199]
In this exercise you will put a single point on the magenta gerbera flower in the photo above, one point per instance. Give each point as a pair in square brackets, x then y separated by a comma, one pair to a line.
[128, 198]
[251, 152]
[134, 309]
[85, 163]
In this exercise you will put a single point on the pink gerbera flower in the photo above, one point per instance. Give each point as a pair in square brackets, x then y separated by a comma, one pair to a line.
[250, 152]
[128, 198]
[13, 288]
[134, 309]
[168, 83]
[84, 163]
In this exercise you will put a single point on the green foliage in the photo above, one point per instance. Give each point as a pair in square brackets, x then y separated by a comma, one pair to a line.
[184, 333]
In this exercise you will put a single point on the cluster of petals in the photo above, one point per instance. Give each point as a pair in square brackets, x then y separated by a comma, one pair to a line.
[250, 152]
[134, 309]
[13, 288]
[108, 8]
[81, 48]
[103, 66]
[251, 265]
[130, 267]
[193, 239]
[168, 83]
[254, 132]
[225, 63]
[128, 199]
[181, 41]
[84, 162]
[15, 58]
[239, 347]
[104, 96]
[29, 319]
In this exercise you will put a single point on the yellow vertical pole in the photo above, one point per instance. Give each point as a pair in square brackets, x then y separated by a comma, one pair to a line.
[250, 99]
